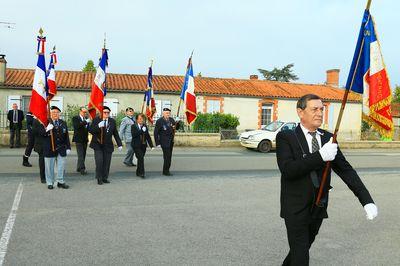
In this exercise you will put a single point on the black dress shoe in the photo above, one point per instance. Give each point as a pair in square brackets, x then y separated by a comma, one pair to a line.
[106, 181]
[129, 164]
[64, 186]
[11, 146]
[50, 187]
[83, 172]
[25, 162]
[43, 181]
[167, 174]
[99, 182]
[142, 176]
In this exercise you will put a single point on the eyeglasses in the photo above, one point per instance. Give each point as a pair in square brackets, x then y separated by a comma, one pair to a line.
[106, 112]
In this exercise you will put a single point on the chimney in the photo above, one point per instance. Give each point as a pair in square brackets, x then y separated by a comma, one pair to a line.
[3, 64]
[332, 77]
[253, 76]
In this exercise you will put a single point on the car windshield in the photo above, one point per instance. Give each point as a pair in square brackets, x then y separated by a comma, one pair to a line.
[273, 126]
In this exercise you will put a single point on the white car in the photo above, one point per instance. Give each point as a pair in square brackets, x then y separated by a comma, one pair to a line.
[264, 139]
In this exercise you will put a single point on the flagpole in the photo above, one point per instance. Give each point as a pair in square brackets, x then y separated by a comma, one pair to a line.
[144, 100]
[339, 120]
[47, 97]
[101, 115]
[180, 99]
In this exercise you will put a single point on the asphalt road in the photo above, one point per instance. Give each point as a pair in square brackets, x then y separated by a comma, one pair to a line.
[220, 208]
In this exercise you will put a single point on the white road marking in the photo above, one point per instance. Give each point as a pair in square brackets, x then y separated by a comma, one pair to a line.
[5, 237]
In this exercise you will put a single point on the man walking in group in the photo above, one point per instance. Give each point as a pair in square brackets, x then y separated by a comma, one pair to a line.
[302, 155]
[103, 129]
[125, 133]
[15, 118]
[56, 148]
[31, 140]
[164, 133]
[81, 124]
[39, 133]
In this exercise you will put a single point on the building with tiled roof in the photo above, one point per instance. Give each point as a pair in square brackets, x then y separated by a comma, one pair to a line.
[256, 102]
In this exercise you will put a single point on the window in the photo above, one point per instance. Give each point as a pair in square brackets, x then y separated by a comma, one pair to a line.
[14, 99]
[266, 113]
[160, 105]
[26, 100]
[213, 106]
[112, 103]
[57, 101]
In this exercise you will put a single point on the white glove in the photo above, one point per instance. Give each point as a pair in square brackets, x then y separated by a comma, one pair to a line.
[68, 151]
[152, 148]
[371, 210]
[158, 146]
[49, 127]
[328, 151]
[87, 120]
[144, 129]
[120, 148]
[102, 124]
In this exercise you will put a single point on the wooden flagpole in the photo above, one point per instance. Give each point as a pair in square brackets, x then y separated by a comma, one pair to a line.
[101, 115]
[47, 100]
[338, 122]
[180, 99]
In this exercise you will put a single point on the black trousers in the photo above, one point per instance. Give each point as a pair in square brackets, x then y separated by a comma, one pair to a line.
[139, 153]
[167, 154]
[15, 132]
[41, 167]
[81, 151]
[301, 235]
[29, 146]
[103, 160]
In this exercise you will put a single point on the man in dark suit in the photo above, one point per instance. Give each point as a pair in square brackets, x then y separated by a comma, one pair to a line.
[140, 139]
[31, 140]
[302, 155]
[103, 129]
[56, 147]
[81, 131]
[38, 132]
[164, 133]
[15, 118]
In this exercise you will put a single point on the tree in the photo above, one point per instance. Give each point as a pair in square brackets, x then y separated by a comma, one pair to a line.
[89, 67]
[284, 74]
[396, 94]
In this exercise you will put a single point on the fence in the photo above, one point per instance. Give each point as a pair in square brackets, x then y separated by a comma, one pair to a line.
[225, 133]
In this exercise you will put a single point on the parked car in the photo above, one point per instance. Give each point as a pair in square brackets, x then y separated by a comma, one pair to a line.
[264, 139]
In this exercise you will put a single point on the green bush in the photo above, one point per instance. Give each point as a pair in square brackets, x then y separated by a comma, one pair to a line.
[69, 112]
[215, 122]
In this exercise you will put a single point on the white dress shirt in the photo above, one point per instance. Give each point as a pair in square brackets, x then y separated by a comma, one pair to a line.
[309, 137]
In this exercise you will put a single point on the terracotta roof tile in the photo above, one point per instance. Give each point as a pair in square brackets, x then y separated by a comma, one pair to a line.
[162, 83]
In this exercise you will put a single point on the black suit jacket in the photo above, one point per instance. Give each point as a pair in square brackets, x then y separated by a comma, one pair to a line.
[164, 132]
[29, 122]
[298, 194]
[39, 133]
[108, 133]
[60, 138]
[140, 138]
[20, 117]
[81, 130]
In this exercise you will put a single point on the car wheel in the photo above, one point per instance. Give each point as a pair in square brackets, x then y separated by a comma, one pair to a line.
[264, 146]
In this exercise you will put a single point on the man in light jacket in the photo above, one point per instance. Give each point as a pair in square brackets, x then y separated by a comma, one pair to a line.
[125, 133]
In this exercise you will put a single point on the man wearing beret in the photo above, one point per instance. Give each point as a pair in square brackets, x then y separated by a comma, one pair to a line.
[56, 147]
[164, 133]
[103, 129]
[302, 155]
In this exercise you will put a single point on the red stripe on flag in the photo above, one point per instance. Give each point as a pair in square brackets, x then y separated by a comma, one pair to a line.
[38, 107]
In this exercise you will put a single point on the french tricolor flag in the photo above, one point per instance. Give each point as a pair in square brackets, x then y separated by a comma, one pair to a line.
[187, 94]
[38, 103]
[51, 76]
[368, 76]
[98, 87]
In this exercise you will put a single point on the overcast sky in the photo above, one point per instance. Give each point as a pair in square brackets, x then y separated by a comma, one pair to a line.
[231, 38]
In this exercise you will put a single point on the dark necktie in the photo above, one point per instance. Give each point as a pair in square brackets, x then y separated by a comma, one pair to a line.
[15, 119]
[314, 148]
